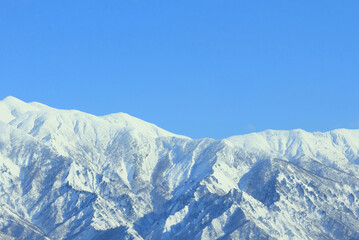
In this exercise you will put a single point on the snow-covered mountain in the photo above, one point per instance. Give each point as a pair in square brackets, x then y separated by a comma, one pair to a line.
[71, 175]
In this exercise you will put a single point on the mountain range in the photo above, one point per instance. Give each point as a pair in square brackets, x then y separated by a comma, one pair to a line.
[65, 174]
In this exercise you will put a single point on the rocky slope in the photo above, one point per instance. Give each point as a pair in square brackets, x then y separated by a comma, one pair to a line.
[71, 175]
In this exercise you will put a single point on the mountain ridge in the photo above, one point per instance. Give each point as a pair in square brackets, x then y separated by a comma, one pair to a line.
[72, 175]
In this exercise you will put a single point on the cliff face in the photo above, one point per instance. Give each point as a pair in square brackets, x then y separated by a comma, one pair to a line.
[72, 175]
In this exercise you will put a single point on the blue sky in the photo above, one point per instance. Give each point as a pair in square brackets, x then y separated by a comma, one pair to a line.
[198, 68]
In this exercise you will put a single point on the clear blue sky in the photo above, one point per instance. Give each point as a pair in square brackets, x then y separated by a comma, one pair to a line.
[200, 68]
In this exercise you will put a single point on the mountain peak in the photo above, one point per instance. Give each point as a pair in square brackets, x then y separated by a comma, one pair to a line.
[12, 107]
[65, 174]
[12, 101]
[66, 129]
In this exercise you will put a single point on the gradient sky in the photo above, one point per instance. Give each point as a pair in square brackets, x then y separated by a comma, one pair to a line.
[200, 68]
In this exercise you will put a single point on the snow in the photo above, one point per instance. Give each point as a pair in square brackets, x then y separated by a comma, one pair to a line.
[175, 219]
[339, 145]
[65, 174]
[11, 107]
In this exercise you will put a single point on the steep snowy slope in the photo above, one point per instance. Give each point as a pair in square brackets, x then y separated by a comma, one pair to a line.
[65, 174]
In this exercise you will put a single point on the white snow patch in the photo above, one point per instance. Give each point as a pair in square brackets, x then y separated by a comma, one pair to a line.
[175, 219]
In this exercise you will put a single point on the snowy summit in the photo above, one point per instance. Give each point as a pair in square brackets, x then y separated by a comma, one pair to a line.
[65, 174]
